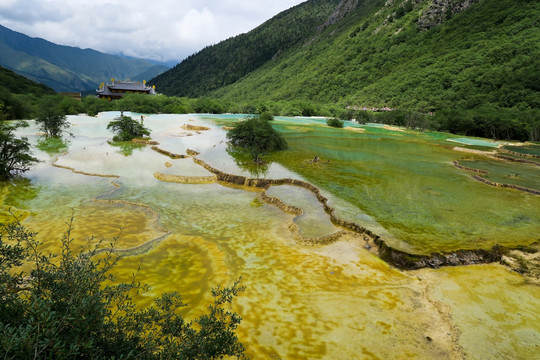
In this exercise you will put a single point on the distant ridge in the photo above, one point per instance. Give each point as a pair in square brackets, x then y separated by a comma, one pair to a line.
[66, 68]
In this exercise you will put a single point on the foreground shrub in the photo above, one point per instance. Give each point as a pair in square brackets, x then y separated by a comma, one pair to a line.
[65, 307]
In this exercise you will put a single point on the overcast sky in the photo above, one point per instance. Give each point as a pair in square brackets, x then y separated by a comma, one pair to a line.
[165, 30]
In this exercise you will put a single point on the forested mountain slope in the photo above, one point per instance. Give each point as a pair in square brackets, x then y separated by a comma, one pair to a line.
[223, 64]
[424, 55]
[14, 88]
[10, 82]
[66, 68]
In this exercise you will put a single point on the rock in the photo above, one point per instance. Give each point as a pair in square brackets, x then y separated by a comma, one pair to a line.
[440, 11]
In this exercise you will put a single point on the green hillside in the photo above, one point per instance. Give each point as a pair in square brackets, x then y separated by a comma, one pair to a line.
[11, 82]
[406, 54]
[19, 94]
[227, 62]
[66, 68]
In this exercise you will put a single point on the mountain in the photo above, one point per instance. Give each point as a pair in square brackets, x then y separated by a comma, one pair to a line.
[227, 62]
[12, 83]
[66, 68]
[421, 55]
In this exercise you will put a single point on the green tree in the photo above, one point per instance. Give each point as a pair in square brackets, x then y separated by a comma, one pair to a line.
[15, 155]
[127, 129]
[257, 136]
[66, 307]
[50, 118]
[266, 116]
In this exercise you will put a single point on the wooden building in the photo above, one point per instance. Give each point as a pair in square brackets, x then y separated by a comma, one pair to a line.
[117, 89]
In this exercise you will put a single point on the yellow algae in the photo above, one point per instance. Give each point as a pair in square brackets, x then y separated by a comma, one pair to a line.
[188, 265]
[185, 179]
[328, 310]
[393, 128]
[355, 129]
[495, 310]
[144, 141]
[169, 154]
[473, 151]
[133, 225]
[190, 127]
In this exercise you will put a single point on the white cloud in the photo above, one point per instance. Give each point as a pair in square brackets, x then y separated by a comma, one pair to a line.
[167, 30]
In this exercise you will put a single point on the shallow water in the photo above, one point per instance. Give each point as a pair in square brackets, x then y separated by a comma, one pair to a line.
[329, 302]
[406, 182]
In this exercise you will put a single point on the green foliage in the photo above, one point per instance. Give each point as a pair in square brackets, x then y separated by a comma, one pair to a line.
[205, 105]
[15, 155]
[256, 136]
[18, 84]
[19, 95]
[334, 122]
[266, 116]
[127, 129]
[66, 307]
[51, 118]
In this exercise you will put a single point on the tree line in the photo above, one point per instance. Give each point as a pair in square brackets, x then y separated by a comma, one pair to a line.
[488, 120]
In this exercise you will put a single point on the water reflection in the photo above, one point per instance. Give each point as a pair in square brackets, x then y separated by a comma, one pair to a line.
[244, 161]
[126, 148]
[53, 145]
[15, 196]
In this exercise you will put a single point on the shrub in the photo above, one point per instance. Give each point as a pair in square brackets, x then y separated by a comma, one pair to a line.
[334, 122]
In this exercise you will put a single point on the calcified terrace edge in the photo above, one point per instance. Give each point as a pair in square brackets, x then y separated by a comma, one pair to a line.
[374, 243]
[493, 183]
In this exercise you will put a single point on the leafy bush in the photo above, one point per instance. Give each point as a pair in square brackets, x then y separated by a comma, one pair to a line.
[65, 307]
[334, 123]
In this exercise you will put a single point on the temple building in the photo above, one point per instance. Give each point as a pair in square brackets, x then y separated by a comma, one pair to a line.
[117, 89]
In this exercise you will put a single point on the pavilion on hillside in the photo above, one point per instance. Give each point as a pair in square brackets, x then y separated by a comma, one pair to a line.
[117, 89]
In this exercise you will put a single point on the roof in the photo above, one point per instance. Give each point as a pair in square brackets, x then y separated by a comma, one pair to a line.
[104, 91]
[118, 88]
[128, 86]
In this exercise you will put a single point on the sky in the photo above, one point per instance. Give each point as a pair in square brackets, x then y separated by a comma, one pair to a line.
[162, 30]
